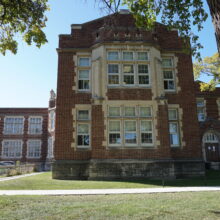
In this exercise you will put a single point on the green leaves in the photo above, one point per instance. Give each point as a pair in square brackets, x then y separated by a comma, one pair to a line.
[209, 66]
[24, 17]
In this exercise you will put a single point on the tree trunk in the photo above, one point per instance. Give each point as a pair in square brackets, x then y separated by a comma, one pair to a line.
[214, 6]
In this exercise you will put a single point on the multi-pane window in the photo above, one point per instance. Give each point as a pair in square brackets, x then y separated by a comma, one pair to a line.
[146, 132]
[130, 134]
[50, 147]
[128, 74]
[168, 74]
[113, 74]
[83, 115]
[83, 128]
[114, 133]
[83, 137]
[174, 127]
[35, 125]
[34, 148]
[128, 68]
[84, 61]
[83, 82]
[13, 125]
[113, 55]
[84, 73]
[143, 74]
[51, 120]
[200, 109]
[130, 126]
[211, 138]
[12, 148]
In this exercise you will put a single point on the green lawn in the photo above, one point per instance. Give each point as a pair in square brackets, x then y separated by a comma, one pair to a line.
[44, 181]
[166, 206]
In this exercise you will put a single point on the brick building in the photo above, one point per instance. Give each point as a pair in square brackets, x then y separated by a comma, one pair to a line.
[26, 135]
[126, 103]
[208, 110]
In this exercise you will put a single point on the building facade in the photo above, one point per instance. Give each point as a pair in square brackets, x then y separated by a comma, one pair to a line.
[26, 135]
[126, 103]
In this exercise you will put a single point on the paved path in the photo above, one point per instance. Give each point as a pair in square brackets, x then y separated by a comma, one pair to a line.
[17, 177]
[109, 191]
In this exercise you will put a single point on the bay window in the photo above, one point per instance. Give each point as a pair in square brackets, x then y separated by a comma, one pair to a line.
[130, 135]
[128, 74]
[113, 74]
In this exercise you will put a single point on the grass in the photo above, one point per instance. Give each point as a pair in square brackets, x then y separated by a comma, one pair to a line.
[45, 182]
[167, 206]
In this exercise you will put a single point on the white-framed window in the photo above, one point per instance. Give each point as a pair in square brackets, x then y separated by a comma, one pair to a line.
[52, 120]
[200, 102]
[174, 127]
[50, 147]
[114, 133]
[33, 148]
[143, 74]
[13, 125]
[83, 135]
[146, 131]
[113, 55]
[35, 125]
[113, 74]
[169, 83]
[211, 138]
[143, 56]
[83, 80]
[83, 115]
[84, 61]
[130, 126]
[12, 148]
[168, 74]
[128, 68]
[128, 74]
[114, 111]
[127, 55]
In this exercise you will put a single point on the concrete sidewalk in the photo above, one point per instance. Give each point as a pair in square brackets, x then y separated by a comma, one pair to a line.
[19, 176]
[109, 191]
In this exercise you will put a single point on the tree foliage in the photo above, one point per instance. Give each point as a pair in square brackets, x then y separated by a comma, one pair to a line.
[181, 15]
[209, 66]
[24, 17]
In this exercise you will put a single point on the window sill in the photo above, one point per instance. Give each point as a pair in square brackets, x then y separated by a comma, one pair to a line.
[128, 86]
[131, 147]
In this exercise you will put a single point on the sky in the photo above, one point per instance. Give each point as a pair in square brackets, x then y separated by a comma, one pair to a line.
[27, 77]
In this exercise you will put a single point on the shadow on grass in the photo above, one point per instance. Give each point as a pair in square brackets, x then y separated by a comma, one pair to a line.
[212, 178]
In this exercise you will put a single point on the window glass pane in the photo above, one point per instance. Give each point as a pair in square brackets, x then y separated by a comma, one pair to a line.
[168, 74]
[146, 138]
[169, 85]
[83, 114]
[200, 102]
[114, 126]
[172, 114]
[83, 74]
[113, 55]
[84, 61]
[113, 79]
[145, 111]
[83, 84]
[129, 111]
[167, 62]
[142, 68]
[143, 79]
[128, 68]
[113, 68]
[130, 138]
[174, 139]
[114, 111]
[127, 55]
[83, 128]
[114, 139]
[173, 127]
[83, 140]
[128, 80]
[142, 56]
[130, 125]
[146, 126]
